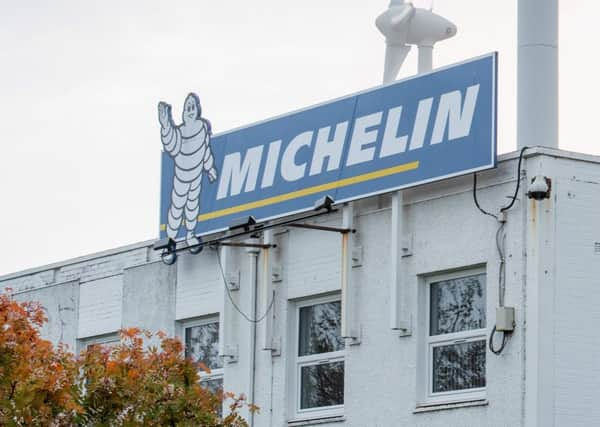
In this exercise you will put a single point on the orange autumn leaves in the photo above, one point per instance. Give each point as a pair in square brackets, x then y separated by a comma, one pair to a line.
[37, 382]
[129, 384]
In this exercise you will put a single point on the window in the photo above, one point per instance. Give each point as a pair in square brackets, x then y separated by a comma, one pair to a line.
[456, 337]
[202, 346]
[319, 361]
[108, 340]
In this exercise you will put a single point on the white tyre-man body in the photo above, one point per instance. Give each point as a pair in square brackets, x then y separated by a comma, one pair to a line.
[189, 146]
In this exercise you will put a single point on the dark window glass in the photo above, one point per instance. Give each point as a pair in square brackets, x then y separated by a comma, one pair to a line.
[322, 385]
[320, 329]
[215, 385]
[202, 344]
[457, 305]
[459, 366]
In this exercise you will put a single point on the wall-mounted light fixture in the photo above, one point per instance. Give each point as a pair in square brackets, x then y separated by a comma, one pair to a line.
[167, 246]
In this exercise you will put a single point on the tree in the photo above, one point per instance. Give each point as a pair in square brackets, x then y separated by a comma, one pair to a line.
[37, 382]
[124, 385]
[128, 385]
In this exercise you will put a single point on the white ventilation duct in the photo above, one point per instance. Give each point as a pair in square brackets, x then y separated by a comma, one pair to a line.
[537, 97]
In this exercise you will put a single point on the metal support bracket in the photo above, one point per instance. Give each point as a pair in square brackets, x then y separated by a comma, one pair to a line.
[343, 230]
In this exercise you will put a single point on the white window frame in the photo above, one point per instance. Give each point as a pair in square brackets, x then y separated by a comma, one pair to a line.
[110, 339]
[431, 342]
[314, 359]
[217, 373]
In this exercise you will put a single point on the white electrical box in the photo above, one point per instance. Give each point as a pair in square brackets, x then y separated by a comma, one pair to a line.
[505, 319]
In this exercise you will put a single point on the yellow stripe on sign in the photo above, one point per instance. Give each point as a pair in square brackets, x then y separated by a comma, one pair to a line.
[307, 191]
[310, 190]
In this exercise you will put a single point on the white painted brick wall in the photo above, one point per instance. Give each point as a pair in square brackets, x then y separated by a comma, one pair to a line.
[577, 302]
[199, 285]
[100, 306]
[312, 260]
[103, 267]
[30, 282]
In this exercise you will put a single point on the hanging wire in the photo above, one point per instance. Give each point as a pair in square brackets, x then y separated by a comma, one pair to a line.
[500, 243]
[500, 240]
[498, 350]
[237, 308]
[514, 197]
[483, 211]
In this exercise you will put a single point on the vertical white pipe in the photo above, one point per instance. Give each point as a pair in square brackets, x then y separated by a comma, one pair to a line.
[225, 314]
[267, 292]
[398, 320]
[253, 256]
[348, 306]
[425, 63]
[537, 97]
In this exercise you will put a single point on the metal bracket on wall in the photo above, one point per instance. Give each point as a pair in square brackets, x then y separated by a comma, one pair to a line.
[233, 281]
[231, 354]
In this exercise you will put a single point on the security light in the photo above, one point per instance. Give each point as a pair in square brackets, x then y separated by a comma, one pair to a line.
[539, 188]
[168, 257]
[325, 202]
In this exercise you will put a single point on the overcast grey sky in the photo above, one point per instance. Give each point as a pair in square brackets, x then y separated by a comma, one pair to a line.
[80, 80]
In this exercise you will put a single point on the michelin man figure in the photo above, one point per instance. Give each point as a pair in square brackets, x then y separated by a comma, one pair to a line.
[189, 146]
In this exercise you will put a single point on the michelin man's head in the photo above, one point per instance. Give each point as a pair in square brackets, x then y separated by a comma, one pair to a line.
[192, 110]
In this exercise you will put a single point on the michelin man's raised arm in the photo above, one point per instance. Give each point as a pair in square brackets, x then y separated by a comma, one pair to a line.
[170, 135]
[209, 161]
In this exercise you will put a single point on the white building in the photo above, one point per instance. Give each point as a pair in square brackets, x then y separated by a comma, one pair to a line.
[547, 374]
[395, 330]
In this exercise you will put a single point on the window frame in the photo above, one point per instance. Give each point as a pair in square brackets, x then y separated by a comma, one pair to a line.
[313, 360]
[217, 373]
[430, 342]
[110, 339]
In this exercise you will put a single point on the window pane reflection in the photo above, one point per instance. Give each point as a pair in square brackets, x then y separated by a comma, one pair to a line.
[215, 386]
[459, 366]
[457, 305]
[202, 344]
[322, 385]
[320, 329]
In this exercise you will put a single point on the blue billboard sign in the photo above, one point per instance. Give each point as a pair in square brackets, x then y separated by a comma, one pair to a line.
[410, 132]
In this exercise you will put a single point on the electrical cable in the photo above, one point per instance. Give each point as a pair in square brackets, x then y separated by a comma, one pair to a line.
[514, 197]
[497, 351]
[500, 241]
[483, 211]
[244, 315]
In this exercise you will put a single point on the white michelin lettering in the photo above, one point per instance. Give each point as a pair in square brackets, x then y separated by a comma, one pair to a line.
[452, 114]
[417, 137]
[392, 143]
[271, 165]
[361, 137]
[330, 149]
[235, 174]
[290, 170]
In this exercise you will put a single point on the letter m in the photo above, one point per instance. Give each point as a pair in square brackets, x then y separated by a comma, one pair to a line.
[236, 174]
